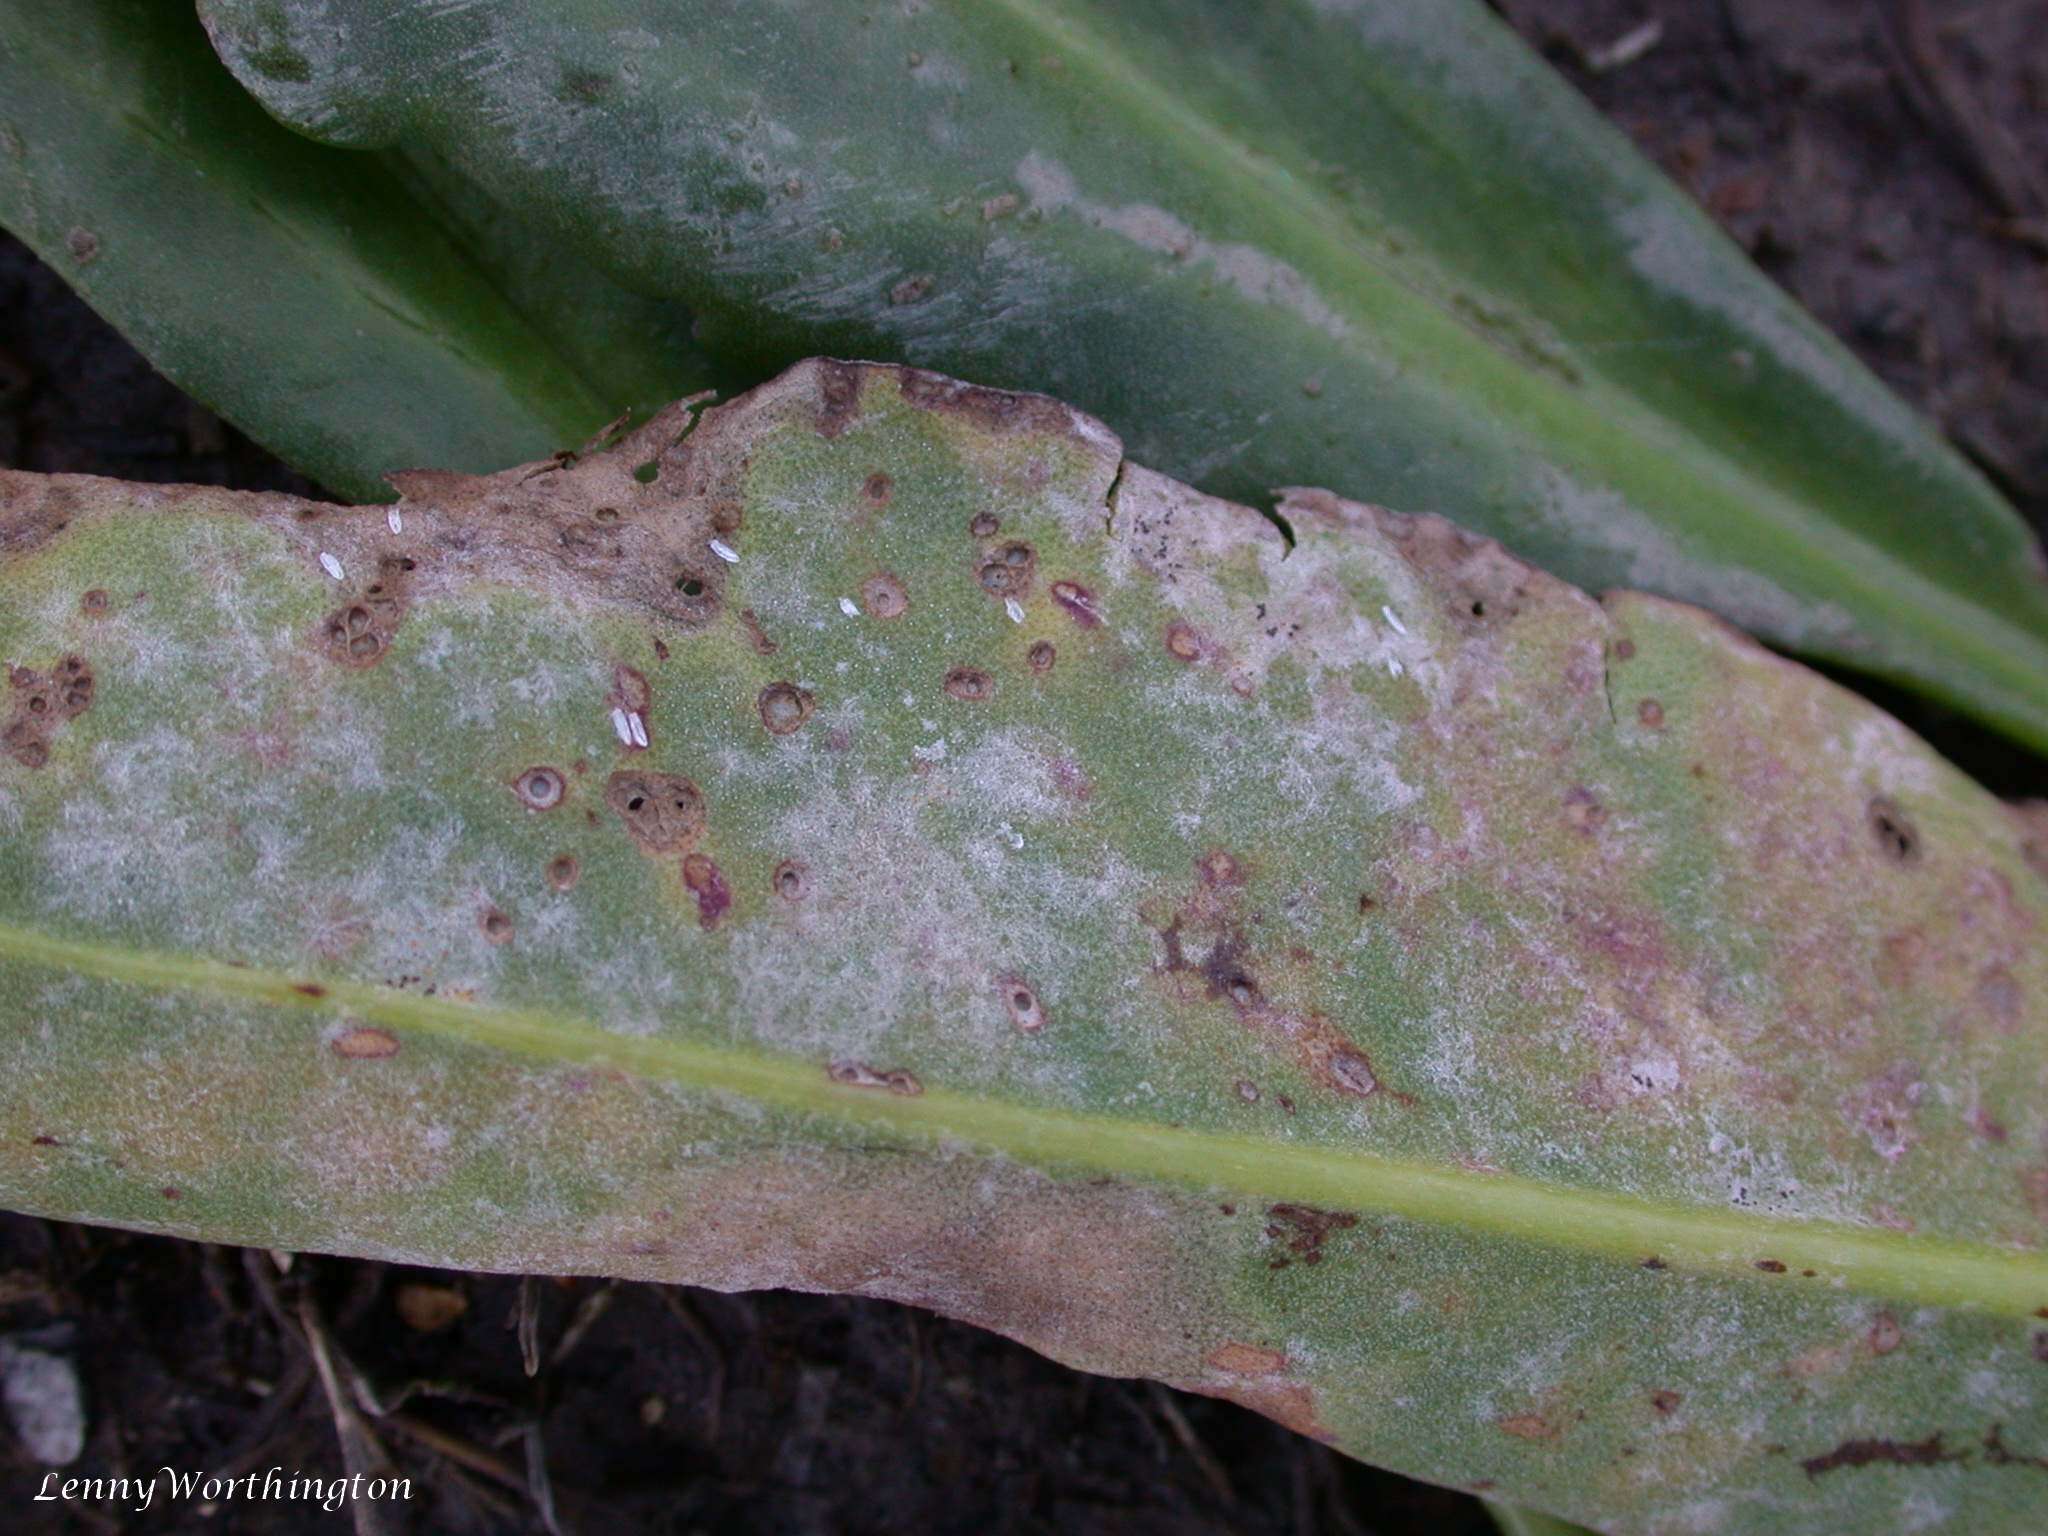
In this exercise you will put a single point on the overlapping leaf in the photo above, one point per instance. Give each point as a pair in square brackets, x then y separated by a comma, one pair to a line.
[354, 313]
[1374, 244]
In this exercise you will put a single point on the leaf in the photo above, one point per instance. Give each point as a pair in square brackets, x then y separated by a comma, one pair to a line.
[353, 313]
[1374, 244]
[1547, 1046]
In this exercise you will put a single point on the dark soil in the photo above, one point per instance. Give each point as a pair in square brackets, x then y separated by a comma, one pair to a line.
[1885, 162]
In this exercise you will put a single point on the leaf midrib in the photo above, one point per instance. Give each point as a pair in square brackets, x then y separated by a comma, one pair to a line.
[1683, 1237]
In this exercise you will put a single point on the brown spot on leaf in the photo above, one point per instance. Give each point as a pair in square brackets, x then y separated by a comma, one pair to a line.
[994, 410]
[82, 243]
[496, 925]
[40, 703]
[1866, 1453]
[1896, 837]
[1246, 1359]
[564, 871]
[1665, 1401]
[1079, 603]
[1770, 1266]
[878, 488]
[1303, 1229]
[664, 812]
[1528, 1426]
[309, 989]
[858, 1074]
[970, 684]
[630, 691]
[94, 604]
[791, 881]
[1352, 1073]
[1651, 713]
[1008, 571]
[363, 1043]
[1021, 1001]
[756, 635]
[984, 525]
[1184, 642]
[1041, 656]
[784, 708]
[540, 788]
[707, 884]
[1885, 1334]
[361, 630]
[838, 396]
[1071, 779]
[883, 596]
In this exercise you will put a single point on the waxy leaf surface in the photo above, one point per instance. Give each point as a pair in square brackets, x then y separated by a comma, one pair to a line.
[1544, 1045]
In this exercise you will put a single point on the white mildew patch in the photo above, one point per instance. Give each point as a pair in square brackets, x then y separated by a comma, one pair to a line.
[1051, 189]
[500, 662]
[938, 72]
[926, 930]
[415, 904]
[1883, 756]
[1010, 773]
[1652, 558]
[1665, 248]
[134, 839]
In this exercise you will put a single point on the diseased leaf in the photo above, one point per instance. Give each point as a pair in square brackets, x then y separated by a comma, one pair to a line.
[350, 312]
[1375, 244]
[1548, 1046]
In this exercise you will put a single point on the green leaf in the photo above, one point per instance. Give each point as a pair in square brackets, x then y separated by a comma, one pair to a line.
[353, 313]
[1513, 1520]
[1547, 1046]
[1375, 244]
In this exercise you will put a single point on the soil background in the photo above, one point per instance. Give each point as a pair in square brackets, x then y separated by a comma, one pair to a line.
[1886, 161]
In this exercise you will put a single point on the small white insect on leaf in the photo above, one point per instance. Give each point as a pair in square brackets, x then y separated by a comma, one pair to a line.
[1394, 667]
[622, 727]
[1014, 609]
[849, 607]
[638, 727]
[725, 552]
[1394, 620]
[331, 565]
[394, 520]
